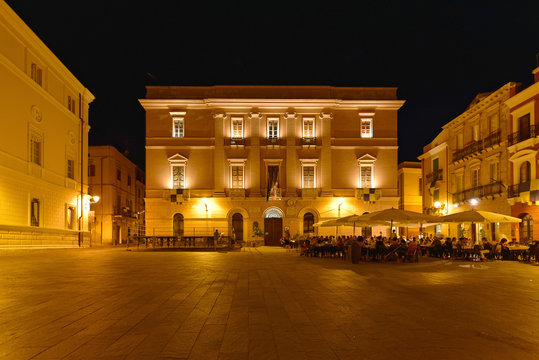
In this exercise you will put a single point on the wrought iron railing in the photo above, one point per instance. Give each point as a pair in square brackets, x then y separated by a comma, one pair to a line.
[308, 141]
[516, 189]
[478, 192]
[492, 139]
[519, 136]
[435, 176]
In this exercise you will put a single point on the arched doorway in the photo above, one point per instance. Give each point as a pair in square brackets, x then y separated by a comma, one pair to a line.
[177, 225]
[273, 226]
[308, 221]
[526, 228]
[237, 226]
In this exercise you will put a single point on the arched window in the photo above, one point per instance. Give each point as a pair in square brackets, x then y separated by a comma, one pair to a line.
[526, 228]
[525, 172]
[308, 221]
[273, 213]
[177, 225]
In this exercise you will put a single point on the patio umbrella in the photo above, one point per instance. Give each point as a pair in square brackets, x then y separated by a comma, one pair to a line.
[398, 216]
[478, 216]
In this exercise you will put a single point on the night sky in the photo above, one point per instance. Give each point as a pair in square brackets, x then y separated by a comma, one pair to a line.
[439, 54]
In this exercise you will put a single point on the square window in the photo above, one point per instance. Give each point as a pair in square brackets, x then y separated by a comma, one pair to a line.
[309, 177]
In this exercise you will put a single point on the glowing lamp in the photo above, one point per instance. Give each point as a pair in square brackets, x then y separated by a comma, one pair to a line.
[437, 204]
[474, 202]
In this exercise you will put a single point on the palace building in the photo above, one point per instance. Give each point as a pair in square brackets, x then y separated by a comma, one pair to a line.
[44, 127]
[260, 162]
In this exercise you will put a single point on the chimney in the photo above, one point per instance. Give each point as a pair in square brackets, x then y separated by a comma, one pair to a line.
[535, 73]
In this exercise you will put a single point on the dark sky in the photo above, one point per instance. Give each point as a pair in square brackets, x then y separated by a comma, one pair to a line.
[439, 54]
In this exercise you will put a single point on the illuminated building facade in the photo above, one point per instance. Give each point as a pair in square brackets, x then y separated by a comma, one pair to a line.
[410, 187]
[466, 166]
[523, 146]
[120, 185]
[272, 158]
[43, 143]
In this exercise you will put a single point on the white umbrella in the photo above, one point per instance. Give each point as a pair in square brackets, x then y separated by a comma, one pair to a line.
[476, 216]
[398, 216]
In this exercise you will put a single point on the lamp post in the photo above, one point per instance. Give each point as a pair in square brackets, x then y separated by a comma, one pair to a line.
[93, 200]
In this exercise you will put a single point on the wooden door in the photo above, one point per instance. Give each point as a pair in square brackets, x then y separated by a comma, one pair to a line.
[274, 228]
[237, 226]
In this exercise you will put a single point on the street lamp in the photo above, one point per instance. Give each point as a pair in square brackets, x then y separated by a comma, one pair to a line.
[92, 200]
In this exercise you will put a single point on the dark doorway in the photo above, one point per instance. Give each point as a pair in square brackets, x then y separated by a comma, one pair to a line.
[524, 127]
[526, 228]
[308, 221]
[273, 230]
[237, 226]
[178, 225]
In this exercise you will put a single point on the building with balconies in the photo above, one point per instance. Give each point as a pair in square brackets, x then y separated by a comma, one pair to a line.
[522, 147]
[43, 142]
[120, 185]
[472, 150]
[273, 158]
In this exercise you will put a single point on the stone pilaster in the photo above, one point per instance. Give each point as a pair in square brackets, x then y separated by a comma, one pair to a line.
[219, 155]
[326, 172]
[254, 156]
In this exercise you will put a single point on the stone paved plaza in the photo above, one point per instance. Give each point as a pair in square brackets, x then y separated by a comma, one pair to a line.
[261, 303]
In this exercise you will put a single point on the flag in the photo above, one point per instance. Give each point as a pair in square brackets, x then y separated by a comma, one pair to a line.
[273, 176]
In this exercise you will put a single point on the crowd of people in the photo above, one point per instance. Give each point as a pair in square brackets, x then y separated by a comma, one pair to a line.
[395, 248]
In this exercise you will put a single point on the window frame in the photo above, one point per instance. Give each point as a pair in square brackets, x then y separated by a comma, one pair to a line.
[36, 222]
[236, 163]
[234, 133]
[269, 120]
[304, 130]
[36, 138]
[70, 169]
[366, 131]
[309, 163]
[71, 222]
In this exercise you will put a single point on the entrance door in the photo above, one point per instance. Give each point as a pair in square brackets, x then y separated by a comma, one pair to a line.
[274, 228]
[177, 225]
[237, 225]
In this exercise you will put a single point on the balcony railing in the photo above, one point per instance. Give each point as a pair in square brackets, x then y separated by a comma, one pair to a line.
[519, 136]
[516, 189]
[273, 141]
[236, 193]
[308, 141]
[435, 176]
[468, 150]
[492, 139]
[481, 191]
[309, 193]
[476, 146]
[237, 141]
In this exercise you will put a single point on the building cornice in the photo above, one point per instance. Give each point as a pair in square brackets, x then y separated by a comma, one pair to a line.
[522, 96]
[435, 150]
[496, 97]
[271, 104]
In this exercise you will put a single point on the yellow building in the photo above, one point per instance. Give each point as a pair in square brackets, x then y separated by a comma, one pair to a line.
[272, 158]
[466, 166]
[120, 185]
[43, 142]
[410, 186]
[523, 147]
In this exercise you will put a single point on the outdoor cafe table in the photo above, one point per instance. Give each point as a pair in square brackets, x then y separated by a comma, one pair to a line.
[517, 251]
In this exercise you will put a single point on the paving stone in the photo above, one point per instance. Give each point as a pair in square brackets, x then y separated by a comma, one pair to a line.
[261, 303]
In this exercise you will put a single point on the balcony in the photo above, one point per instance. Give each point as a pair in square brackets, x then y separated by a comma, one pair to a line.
[237, 141]
[519, 136]
[468, 150]
[236, 193]
[516, 189]
[309, 193]
[492, 139]
[435, 176]
[308, 141]
[479, 192]
[275, 194]
[273, 141]
[123, 211]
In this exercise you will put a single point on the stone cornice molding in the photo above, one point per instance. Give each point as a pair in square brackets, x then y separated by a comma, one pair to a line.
[290, 115]
[270, 105]
[219, 115]
[255, 115]
[326, 115]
